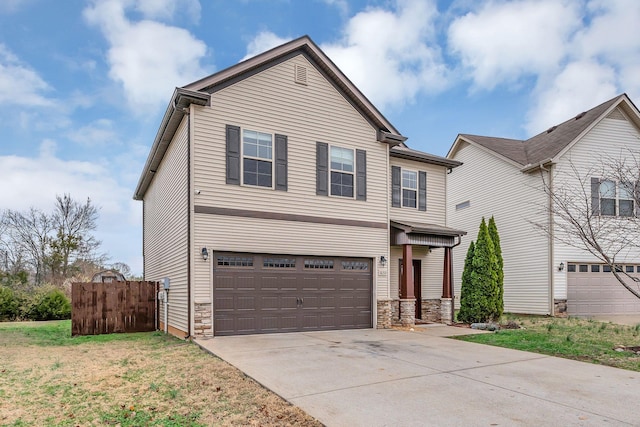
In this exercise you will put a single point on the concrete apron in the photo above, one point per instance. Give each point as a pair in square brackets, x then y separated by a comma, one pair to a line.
[371, 377]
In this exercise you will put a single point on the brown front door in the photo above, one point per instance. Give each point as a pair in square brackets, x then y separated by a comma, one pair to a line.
[417, 286]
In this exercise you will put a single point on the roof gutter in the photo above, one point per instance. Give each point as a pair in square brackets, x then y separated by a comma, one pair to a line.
[180, 100]
[535, 166]
[391, 138]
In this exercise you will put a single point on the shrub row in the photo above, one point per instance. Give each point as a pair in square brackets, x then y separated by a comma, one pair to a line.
[46, 303]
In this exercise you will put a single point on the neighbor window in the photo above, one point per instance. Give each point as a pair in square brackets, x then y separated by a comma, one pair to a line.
[616, 199]
[257, 158]
[409, 188]
[342, 171]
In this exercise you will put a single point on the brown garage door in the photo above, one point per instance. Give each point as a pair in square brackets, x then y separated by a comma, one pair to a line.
[592, 290]
[259, 293]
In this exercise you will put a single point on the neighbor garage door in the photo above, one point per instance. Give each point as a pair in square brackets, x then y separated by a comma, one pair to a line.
[259, 293]
[593, 290]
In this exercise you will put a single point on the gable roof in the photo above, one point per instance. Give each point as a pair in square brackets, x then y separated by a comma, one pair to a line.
[403, 152]
[199, 93]
[553, 142]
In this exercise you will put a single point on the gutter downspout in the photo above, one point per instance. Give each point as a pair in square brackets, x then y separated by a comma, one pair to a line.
[187, 112]
[453, 296]
[550, 237]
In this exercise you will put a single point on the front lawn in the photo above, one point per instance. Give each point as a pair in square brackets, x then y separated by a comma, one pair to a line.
[579, 339]
[143, 379]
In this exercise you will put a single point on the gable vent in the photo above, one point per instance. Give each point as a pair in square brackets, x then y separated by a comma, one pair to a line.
[300, 74]
[551, 129]
[581, 115]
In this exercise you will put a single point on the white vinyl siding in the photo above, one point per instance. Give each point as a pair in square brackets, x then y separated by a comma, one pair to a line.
[611, 137]
[165, 228]
[494, 187]
[271, 102]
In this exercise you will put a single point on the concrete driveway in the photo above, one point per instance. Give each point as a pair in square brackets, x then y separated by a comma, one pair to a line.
[372, 377]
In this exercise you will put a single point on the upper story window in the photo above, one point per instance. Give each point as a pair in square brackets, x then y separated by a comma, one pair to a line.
[257, 158]
[409, 189]
[612, 198]
[342, 170]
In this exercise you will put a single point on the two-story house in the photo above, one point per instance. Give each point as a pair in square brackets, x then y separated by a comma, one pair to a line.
[277, 198]
[515, 181]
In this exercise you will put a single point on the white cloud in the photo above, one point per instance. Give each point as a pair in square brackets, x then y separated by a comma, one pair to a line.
[147, 58]
[502, 42]
[167, 9]
[342, 5]
[264, 41]
[36, 181]
[19, 84]
[99, 132]
[579, 87]
[392, 56]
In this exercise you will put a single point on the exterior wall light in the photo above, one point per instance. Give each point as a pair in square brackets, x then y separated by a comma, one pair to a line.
[561, 266]
[205, 254]
[383, 260]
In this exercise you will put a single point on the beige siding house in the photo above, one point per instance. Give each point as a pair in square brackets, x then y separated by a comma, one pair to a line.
[507, 179]
[277, 198]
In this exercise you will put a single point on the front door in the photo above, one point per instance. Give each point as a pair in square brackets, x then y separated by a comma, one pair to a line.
[417, 286]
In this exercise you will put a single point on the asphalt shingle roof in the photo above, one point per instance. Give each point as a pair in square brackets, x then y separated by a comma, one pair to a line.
[546, 144]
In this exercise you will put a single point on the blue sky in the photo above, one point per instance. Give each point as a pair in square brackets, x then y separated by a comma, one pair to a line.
[84, 84]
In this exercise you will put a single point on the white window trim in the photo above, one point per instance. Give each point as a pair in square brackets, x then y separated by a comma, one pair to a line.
[243, 156]
[353, 173]
[402, 188]
[616, 199]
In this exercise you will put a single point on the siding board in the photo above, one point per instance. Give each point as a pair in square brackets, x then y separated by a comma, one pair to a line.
[165, 228]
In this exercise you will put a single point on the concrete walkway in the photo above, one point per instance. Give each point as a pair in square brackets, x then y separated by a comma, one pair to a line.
[399, 378]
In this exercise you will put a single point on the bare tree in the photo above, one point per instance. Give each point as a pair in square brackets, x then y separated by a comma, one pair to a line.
[602, 220]
[74, 223]
[27, 239]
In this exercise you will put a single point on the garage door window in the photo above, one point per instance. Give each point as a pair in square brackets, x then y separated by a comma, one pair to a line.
[320, 264]
[595, 268]
[274, 262]
[235, 261]
[355, 265]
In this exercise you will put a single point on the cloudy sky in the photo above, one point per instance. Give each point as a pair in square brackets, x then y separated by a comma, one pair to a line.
[84, 84]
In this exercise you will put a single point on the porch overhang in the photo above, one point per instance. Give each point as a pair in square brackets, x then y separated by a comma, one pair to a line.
[422, 234]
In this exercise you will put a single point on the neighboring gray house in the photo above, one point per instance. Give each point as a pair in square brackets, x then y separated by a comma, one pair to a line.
[277, 198]
[504, 178]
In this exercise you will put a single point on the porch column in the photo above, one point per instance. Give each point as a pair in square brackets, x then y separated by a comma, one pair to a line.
[445, 301]
[407, 295]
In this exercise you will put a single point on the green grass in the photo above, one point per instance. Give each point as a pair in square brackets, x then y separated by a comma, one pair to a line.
[578, 339]
[58, 333]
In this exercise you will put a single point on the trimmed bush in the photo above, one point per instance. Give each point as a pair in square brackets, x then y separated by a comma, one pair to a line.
[495, 238]
[9, 304]
[480, 293]
[49, 304]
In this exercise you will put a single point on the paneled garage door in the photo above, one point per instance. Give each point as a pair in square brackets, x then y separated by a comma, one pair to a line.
[259, 293]
[593, 289]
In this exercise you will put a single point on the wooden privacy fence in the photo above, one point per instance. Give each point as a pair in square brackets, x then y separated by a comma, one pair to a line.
[104, 308]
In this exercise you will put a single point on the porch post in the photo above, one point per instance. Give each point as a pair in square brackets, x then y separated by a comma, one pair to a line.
[445, 301]
[407, 294]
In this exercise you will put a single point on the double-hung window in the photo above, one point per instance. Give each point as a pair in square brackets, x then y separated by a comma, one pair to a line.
[257, 158]
[614, 198]
[342, 171]
[409, 189]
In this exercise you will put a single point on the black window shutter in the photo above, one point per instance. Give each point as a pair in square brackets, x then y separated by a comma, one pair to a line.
[322, 169]
[595, 196]
[636, 199]
[422, 191]
[233, 155]
[396, 189]
[361, 175]
[281, 162]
